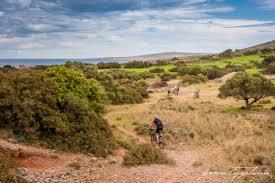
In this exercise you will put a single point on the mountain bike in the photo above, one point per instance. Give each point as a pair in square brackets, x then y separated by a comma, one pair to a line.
[154, 138]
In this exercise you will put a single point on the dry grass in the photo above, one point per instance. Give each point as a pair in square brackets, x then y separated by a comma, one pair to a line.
[236, 140]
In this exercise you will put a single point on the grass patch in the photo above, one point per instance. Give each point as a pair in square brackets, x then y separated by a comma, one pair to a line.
[145, 154]
[166, 68]
[236, 61]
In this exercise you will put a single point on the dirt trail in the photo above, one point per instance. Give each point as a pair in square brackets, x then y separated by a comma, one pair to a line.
[37, 159]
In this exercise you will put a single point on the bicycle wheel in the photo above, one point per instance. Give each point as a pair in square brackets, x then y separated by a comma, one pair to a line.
[161, 142]
[153, 139]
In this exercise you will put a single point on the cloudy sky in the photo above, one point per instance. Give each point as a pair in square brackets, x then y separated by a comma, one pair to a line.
[101, 28]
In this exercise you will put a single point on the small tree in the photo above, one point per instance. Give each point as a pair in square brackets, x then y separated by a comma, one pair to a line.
[248, 87]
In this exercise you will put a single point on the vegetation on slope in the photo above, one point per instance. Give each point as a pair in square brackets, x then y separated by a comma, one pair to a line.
[145, 154]
[59, 109]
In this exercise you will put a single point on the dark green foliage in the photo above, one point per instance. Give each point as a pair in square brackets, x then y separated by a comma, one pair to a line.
[248, 87]
[268, 60]
[251, 52]
[108, 65]
[174, 69]
[161, 62]
[121, 87]
[190, 70]
[227, 54]
[157, 70]
[215, 72]
[269, 64]
[145, 154]
[137, 64]
[61, 110]
[7, 69]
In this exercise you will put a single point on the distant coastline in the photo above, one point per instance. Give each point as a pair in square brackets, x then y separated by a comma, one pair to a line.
[148, 57]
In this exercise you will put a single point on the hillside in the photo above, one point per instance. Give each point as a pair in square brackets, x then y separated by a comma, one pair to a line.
[150, 57]
[270, 44]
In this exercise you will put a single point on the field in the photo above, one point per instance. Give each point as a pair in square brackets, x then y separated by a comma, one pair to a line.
[226, 135]
[165, 67]
[238, 61]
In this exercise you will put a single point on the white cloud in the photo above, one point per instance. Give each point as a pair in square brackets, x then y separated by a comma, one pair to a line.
[2, 13]
[267, 4]
[190, 29]
[22, 3]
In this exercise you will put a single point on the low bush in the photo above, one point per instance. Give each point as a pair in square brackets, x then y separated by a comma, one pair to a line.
[108, 65]
[75, 165]
[137, 64]
[189, 79]
[214, 72]
[265, 101]
[157, 70]
[145, 154]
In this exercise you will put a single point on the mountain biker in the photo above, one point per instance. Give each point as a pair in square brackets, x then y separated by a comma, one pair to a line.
[159, 126]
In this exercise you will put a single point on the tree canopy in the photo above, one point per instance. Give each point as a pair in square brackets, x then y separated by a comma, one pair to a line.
[248, 87]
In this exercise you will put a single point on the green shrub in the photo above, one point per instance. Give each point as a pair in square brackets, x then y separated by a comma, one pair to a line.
[145, 154]
[61, 110]
[127, 143]
[157, 70]
[137, 64]
[214, 72]
[120, 87]
[189, 79]
[75, 165]
[191, 70]
[108, 65]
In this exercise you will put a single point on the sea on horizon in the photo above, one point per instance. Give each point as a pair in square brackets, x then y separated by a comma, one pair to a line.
[34, 62]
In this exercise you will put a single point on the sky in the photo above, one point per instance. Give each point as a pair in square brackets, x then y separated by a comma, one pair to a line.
[104, 28]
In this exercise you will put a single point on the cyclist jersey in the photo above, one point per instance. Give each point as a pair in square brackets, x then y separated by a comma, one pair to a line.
[157, 122]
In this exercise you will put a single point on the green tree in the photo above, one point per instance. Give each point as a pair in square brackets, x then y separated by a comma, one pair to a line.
[73, 84]
[248, 87]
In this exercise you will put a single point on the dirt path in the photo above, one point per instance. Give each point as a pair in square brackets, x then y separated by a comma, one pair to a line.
[37, 159]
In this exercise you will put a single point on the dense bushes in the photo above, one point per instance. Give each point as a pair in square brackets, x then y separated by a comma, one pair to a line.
[137, 64]
[157, 70]
[193, 71]
[108, 65]
[61, 109]
[121, 87]
[269, 64]
[145, 154]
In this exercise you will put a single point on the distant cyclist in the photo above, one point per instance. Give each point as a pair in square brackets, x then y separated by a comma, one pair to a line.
[157, 123]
